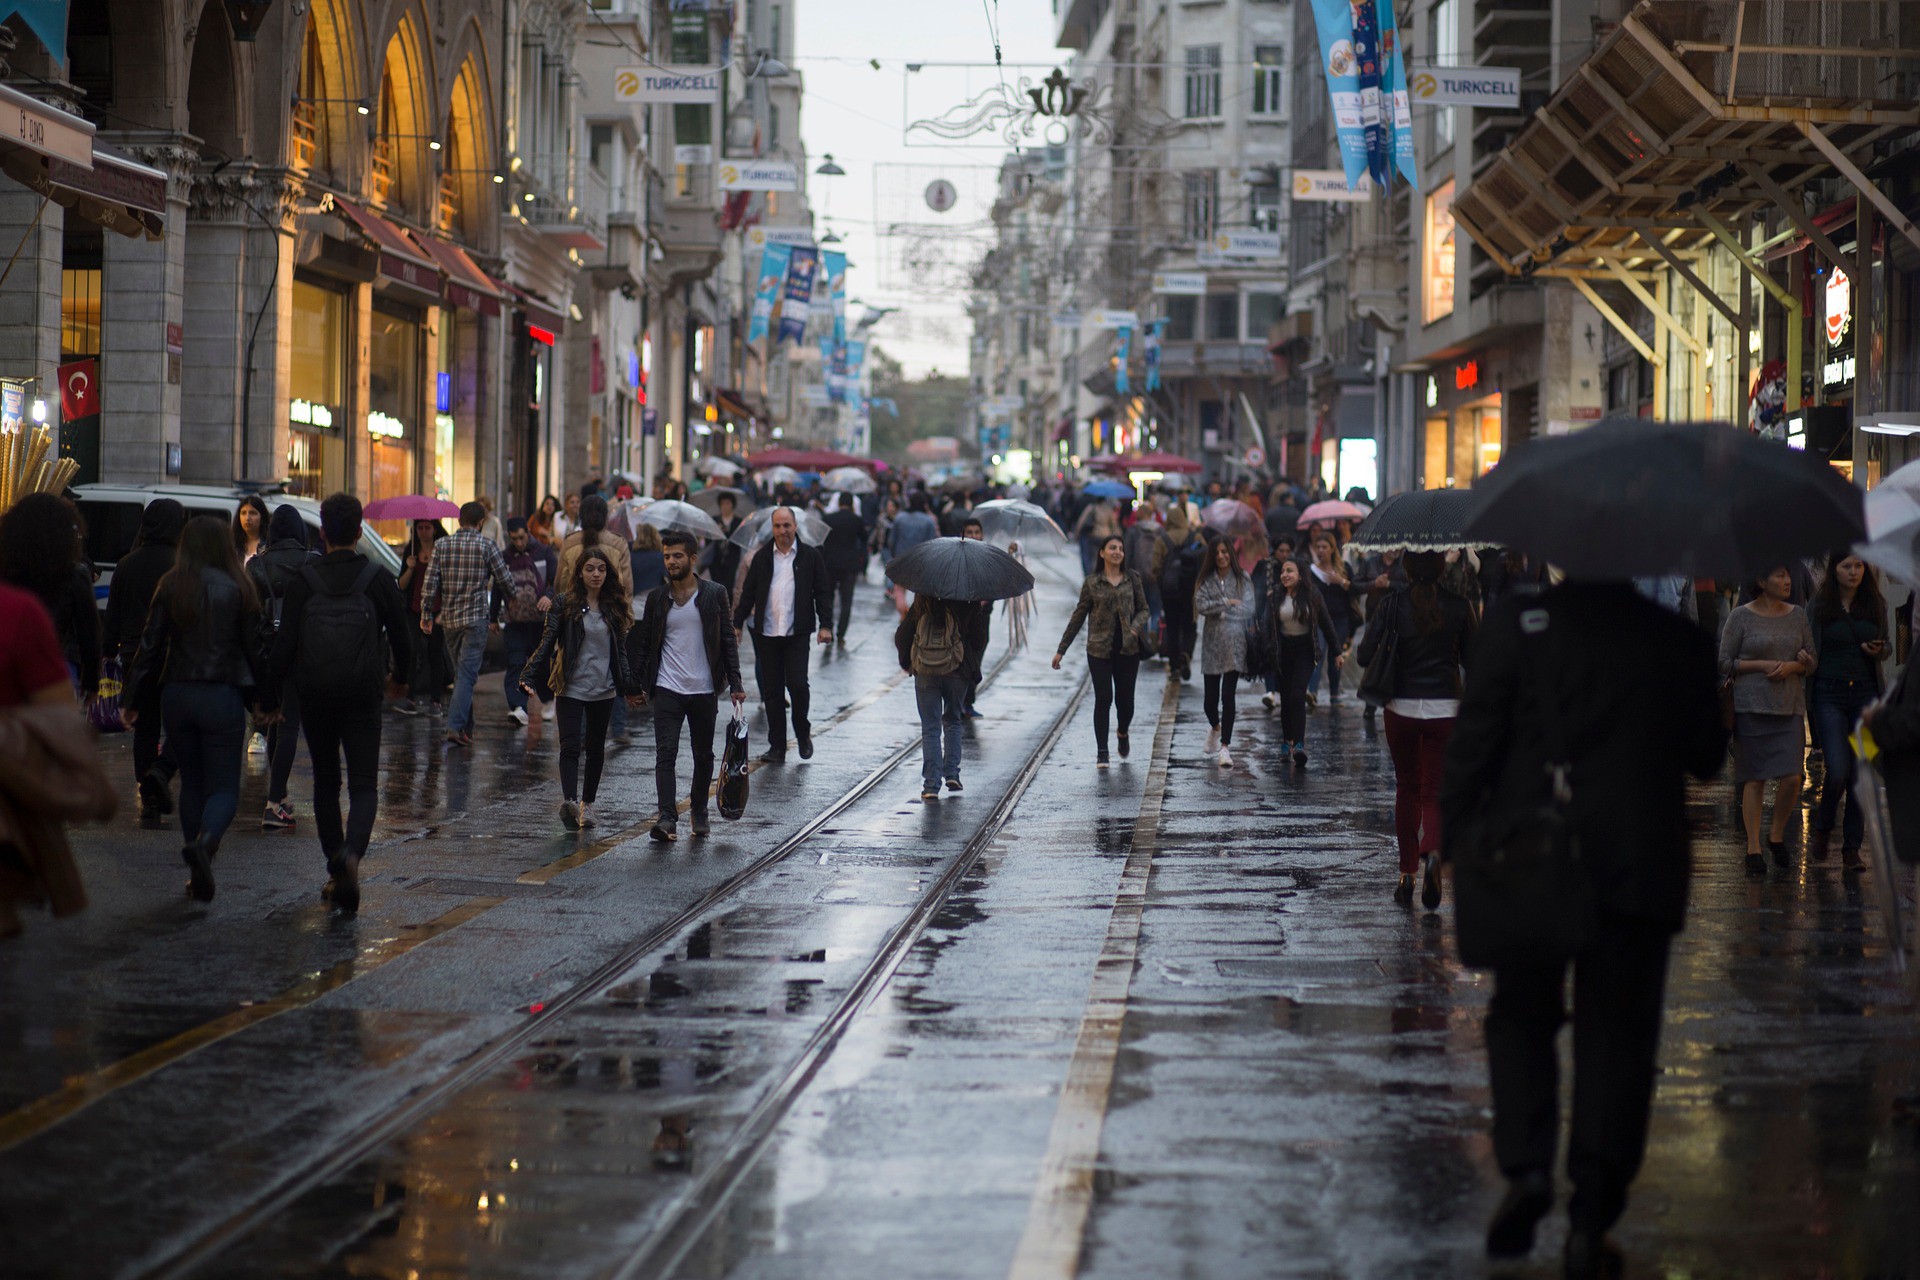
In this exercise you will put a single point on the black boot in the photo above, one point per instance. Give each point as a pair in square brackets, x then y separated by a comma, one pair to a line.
[1591, 1256]
[1529, 1197]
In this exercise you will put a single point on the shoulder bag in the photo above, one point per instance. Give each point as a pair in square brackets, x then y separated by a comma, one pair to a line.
[1376, 683]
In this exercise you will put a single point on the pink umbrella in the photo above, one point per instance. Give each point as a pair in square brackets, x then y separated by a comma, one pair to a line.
[414, 506]
[1328, 512]
[1232, 517]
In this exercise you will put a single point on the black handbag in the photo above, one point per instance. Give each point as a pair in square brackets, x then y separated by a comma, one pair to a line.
[735, 765]
[1376, 683]
[1522, 894]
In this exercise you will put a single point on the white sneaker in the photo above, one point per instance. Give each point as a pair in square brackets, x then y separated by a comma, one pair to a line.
[546, 711]
[518, 715]
[1224, 759]
[1268, 701]
[1213, 743]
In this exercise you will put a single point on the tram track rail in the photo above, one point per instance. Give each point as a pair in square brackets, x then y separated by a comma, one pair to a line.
[366, 1138]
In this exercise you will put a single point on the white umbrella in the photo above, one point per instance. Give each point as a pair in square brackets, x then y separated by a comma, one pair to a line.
[708, 499]
[779, 475]
[625, 515]
[1014, 520]
[1895, 553]
[684, 516]
[848, 480]
[758, 527]
[1894, 502]
[718, 466]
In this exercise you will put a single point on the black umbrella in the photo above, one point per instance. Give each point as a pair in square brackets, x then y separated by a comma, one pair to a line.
[1428, 520]
[960, 569]
[1627, 497]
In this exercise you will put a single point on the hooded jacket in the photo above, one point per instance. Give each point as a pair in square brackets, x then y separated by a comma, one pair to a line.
[138, 574]
[286, 553]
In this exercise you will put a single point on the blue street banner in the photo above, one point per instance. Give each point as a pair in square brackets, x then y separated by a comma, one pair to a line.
[1395, 105]
[47, 19]
[1367, 86]
[1120, 384]
[835, 264]
[797, 296]
[833, 357]
[773, 273]
[1154, 331]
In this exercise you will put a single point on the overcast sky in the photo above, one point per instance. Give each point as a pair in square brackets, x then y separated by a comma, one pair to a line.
[903, 254]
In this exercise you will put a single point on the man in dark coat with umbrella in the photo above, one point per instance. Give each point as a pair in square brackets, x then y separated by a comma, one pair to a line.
[1624, 693]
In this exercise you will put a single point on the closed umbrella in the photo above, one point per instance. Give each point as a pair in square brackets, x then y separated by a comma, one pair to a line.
[758, 527]
[848, 480]
[684, 516]
[1628, 498]
[1328, 512]
[1233, 518]
[1426, 520]
[960, 569]
[414, 506]
[708, 499]
[1012, 519]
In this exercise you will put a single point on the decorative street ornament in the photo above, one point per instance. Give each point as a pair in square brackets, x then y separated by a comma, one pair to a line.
[1054, 109]
[940, 195]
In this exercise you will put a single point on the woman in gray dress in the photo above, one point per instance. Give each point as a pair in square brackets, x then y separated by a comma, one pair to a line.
[1223, 597]
[1766, 650]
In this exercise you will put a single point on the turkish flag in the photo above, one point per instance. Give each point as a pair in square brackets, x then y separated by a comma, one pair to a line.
[79, 390]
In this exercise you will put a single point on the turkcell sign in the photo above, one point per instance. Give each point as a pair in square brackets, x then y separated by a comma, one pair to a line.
[1467, 86]
[1329, 185]
[1183, 282]
[1247, 244]
[666, 84]
[758, 175]
[1114, 319]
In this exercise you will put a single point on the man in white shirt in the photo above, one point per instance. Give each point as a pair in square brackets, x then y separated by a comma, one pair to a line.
[788, 594]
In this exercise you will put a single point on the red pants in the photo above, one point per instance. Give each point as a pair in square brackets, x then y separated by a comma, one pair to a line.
[1419, 749]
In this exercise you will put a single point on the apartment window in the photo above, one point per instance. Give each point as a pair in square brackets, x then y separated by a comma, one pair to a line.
[773, 125]
[1223, 317]
[1203, 82]
[689, 45]
[1264, 310]
[1263, 207]
[1269, 80]
[600, 147]
[1183, 317]
[1202, 201]
[1445, 44]
[1437, 260]
[773, 31]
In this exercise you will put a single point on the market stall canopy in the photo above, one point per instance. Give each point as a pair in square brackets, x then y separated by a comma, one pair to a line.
[1688, 116]
[55, 153]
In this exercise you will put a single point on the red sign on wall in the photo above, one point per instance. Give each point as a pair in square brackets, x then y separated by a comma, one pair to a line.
[1466, 375]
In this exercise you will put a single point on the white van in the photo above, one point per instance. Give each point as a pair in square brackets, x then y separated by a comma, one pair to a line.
[112, 513]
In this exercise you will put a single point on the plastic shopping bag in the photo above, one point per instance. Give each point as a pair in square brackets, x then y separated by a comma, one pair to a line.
[104, 711]
[735, 764]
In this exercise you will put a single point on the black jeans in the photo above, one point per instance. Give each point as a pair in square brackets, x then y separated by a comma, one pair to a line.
[148, 750]
[582, 723]
[699, 711]
[1296, 664]
[1217, 699]
[843, 583]
[1113, 680]
[334, 727]
[432, 671]
[780, 667]
[283, 743]
[1619, 987]
[207, 731]
[1180, 633]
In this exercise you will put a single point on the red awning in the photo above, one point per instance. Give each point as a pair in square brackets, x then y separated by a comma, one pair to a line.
[467, 285]
[401, 257]
[119, 192]
[805, 459]
[539, 311]
[1147, 462]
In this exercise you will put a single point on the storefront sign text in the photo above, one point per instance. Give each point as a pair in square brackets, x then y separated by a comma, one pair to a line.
[386, 426]
[308, 414]
[759, 175]
[655, 84]
[1839, 305]
[1837, 371]
[1466, 376]
[1467, 86]
[1329, 185]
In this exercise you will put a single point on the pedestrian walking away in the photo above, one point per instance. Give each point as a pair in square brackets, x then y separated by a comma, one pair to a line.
[1431, 629]
[789, 597]
[1596, 703]
[135, 579]
[200, 647]
[1113, 607]
[344, 638]
[41, 551]
[1185, 555]
[534, 568]
[685, 648]
[1849, 624]
[845, 555]
[1296, 615]
[933, 642]
[432, 673]
[1224, 598]
[277, 565]
[582, 658]
[465, 572]
[1766, 651]
[593, 532]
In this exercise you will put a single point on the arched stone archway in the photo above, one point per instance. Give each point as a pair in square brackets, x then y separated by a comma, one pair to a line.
[329, 89]
[403, 110]
[467, 162]
[213, 87]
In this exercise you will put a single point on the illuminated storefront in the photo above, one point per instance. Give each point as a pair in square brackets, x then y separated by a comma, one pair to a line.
[316, 441]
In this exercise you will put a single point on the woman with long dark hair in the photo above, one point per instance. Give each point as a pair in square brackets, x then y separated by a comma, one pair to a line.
[42, 551]
[1223, 596]
[1849, 620]
[1338, 593]
[432, 672]
[583, 659]
[250, 520]
[199, 646]
[1432, 628]
[540, 523]
[1113, 602]
[1296, 613]
[1766, 650]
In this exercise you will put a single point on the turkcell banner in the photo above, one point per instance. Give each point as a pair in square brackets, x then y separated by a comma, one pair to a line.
[1182, 282]
[797, 296]
[759, 175]
[1120, 383]
[836, 268]
[1467, 86]
[1329, 186]
[667, 84]
[773, 272]
[1366, 82]
[1247, 244]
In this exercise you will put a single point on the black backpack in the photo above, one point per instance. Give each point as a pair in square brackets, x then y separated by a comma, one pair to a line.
[339, 655]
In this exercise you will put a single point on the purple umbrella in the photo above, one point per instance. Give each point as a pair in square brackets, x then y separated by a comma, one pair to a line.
[414, 506]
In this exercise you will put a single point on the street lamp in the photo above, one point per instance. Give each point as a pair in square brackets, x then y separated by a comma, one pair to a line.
[768, 68]
[830, 169]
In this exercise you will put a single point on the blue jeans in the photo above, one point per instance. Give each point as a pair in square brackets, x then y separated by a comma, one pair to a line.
[1323, 661]
[519, 639]
[465, 647]
[207, 735]
[1837, 704]
[1089, 554]
[940, 699]
[1153, 608]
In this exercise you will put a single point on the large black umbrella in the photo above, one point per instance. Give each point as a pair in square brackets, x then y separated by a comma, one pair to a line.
[960, 569]
[1627, 497]
[1427, 520]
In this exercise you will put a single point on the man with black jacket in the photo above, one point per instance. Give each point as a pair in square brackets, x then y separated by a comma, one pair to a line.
[272, 571]
[682, 648]
[788, 594]
[135, 579]
[337, 721]
[845, 553]
[1624, 691]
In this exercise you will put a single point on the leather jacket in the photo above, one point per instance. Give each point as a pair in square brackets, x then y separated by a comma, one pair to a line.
[564, 634]
[1424, 666]
[716, 623]
[221, 647]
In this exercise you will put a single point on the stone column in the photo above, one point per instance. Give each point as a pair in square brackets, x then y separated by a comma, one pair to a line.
[30, 297]
[142, 285]
[215, 317]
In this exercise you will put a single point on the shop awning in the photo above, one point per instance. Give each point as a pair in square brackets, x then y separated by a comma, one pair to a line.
[467, 285]
[1688, 116]
[732, 403]
[401, 257]
[539, 311]
[105, 186]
